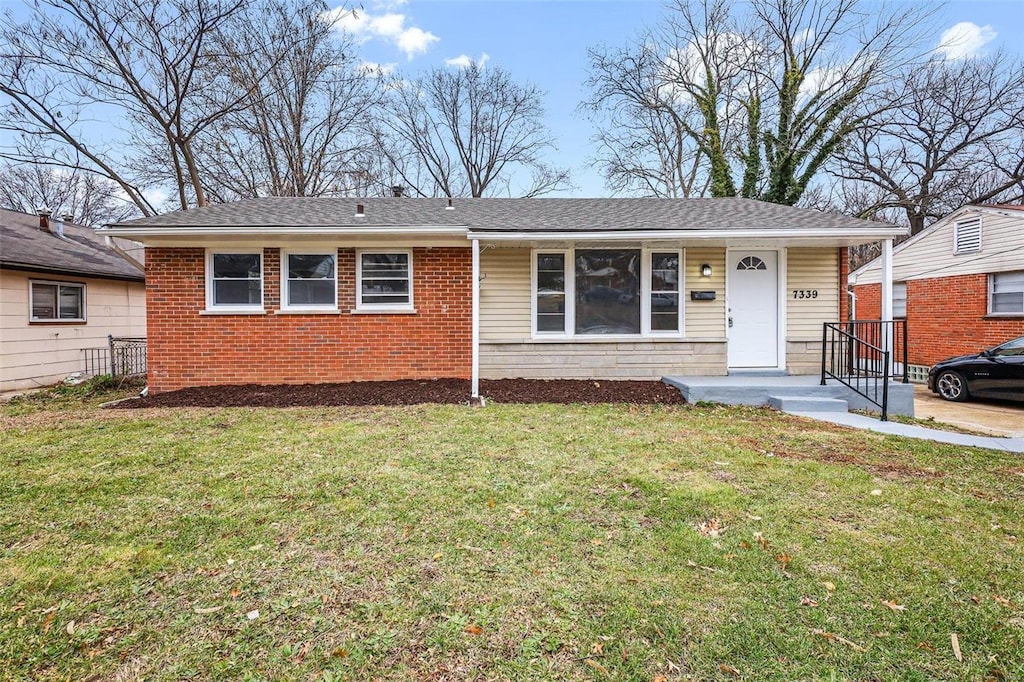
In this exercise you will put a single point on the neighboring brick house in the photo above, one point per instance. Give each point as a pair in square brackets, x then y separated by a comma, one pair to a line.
[959, 284]
[63, 289]
[301, 290]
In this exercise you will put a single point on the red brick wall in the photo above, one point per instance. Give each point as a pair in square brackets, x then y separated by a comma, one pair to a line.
[946, 316]
[190, 349]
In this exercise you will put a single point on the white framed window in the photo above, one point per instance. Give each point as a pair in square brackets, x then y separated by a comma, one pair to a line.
[309, 281]
[606, 292]
[234, 280]
[899, 299]
[384, 280]
[1006, 293]
[967, 235]
[56, 301]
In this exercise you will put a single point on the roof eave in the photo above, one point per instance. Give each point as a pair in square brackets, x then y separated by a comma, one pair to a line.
[141, 231]
[70, 272]
[867, 234]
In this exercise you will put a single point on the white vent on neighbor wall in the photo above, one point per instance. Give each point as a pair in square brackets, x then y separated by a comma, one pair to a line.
[967, 235]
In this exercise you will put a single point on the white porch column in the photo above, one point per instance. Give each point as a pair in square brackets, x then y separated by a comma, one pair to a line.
[887, 280]
[887, 329]
[475, 380]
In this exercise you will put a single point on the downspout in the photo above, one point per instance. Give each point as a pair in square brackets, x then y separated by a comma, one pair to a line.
[475, 372]
[887, 323]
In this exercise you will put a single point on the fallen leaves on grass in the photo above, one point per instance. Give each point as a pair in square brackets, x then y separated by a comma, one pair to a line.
[712, 528]
[955, 641]
[728, 669]
[253, 615]
[783, 560]
[596, 666]
[1002, 601]
[807, 601]
[473, 630]
[893, 605]
[208, 609]
[831, 587]
[833, 637]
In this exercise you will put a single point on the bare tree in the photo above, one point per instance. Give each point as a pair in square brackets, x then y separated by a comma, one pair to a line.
[144, 64]
[467, 132]
[304, 128]
[776, 85]
[90, 199]
[952, 134]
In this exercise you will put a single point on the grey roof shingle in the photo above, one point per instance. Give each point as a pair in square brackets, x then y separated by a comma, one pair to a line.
[505, 215]
[81, 252]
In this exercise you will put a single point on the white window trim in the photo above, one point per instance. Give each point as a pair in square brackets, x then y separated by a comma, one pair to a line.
[956, 235]
[894, 299]
[991, 292]
[58, 284]
[569, 332]
[234, 307]
[286, 291]
[383, 307]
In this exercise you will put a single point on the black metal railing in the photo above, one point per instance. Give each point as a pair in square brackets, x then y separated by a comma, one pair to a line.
[859, 354]
[123, 356]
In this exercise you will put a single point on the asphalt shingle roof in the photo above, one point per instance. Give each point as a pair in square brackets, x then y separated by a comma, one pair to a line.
[80, 252]
[505, 215]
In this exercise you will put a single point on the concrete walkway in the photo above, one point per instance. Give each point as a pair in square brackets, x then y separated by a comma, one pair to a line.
[858, 421]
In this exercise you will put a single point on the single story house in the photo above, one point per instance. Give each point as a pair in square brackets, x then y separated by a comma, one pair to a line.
[299, 290]
[959, 284]
[63, 288]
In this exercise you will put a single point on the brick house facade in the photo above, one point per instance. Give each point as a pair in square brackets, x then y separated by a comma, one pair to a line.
[946, 316]
[190, 348]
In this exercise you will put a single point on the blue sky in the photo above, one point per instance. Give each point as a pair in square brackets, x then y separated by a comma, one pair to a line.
[545, 42]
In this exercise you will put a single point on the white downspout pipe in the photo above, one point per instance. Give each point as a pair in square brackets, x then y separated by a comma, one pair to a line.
[475, 375]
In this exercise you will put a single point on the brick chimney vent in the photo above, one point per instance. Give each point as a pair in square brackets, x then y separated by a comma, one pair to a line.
[44, 217]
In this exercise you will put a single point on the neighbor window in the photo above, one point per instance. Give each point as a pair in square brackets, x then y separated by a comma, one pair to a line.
[1006, 293]
[899, 299]
[594, 292]
[384, 280]
[235, 280]
[56, 302]
[309, 280]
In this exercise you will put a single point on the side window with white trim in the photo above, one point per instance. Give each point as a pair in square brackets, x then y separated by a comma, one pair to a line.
[235, 280]
[384, 280]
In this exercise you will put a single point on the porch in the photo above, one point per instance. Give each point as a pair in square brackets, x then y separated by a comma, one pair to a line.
[789, 393]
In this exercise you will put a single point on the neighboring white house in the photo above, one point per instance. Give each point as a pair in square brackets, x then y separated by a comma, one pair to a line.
[63, 288]
[959, 283]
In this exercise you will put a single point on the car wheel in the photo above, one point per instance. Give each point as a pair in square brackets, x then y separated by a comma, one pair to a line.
[951, 386]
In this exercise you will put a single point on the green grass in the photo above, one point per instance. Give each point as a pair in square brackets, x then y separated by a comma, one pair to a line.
[509, 542]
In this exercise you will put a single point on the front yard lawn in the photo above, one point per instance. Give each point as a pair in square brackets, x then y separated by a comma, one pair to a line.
[509, 542]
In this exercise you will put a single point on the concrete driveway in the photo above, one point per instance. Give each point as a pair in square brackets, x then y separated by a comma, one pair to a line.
[993, 417]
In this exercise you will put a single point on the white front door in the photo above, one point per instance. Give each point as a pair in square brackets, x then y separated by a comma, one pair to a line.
[753, 309]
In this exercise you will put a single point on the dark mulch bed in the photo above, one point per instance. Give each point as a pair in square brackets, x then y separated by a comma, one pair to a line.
[448, 391]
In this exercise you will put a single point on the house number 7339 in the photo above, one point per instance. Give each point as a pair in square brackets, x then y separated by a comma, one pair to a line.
[805, 293]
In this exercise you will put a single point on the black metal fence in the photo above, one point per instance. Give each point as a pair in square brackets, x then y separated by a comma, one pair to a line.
[860, 354]
[123, 356]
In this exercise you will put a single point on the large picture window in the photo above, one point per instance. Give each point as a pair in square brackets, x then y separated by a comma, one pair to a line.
[384, 280]
[310, 281]
[1006, 293]
[612, 292]
[56, 302]
[235, 281]
[607, 291]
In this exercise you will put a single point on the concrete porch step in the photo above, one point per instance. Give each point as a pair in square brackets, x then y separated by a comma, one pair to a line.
[794, 403]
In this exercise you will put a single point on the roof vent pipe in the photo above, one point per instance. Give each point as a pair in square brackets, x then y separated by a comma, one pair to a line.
[397, 191]
[59, 226]
[359, 210]
[44, 217]
[449, 207]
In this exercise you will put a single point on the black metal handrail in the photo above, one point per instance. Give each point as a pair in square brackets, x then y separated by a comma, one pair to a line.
[888, 334]
[855, 362]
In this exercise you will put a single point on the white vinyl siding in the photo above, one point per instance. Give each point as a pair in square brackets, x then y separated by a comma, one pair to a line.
[816, 273]
[505, 294]
[705, 319]
[1006, 293]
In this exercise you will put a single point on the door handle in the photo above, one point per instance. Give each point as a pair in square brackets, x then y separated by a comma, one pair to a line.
[730, 320]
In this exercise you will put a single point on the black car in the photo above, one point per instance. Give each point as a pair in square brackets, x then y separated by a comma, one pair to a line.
[994, 373]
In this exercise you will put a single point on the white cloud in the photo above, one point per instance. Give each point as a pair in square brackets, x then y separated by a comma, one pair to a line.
[389, 26]
[464, 61]
[375, 70]
[964, 40]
